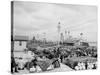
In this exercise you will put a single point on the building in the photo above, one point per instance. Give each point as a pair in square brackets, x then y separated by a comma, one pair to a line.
[20, 42]
[93, 43]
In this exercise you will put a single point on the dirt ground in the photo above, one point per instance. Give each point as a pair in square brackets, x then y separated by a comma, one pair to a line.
[63, 68]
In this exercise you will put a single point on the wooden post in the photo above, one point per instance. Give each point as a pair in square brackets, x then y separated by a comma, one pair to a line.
[12, 40]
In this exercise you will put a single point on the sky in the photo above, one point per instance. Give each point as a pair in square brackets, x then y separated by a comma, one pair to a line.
[33, 18]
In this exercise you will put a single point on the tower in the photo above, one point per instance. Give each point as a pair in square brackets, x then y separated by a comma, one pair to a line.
[61, 38]
[59, 29]
[81, 37]
[65, 34]
[44, 37]
[69, 36]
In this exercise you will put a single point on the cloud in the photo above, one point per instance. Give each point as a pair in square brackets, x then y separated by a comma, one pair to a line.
[37, 17]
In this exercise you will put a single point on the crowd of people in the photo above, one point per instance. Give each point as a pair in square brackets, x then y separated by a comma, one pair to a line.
[50, 58]
[86, 66]
[35, 59]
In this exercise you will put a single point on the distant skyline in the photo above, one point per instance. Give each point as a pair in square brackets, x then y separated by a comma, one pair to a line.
[37, 18]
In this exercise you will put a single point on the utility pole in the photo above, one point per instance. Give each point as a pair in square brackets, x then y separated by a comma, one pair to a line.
[12, 37]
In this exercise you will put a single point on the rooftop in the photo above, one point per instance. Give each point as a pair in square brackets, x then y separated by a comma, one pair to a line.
[21, 38]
